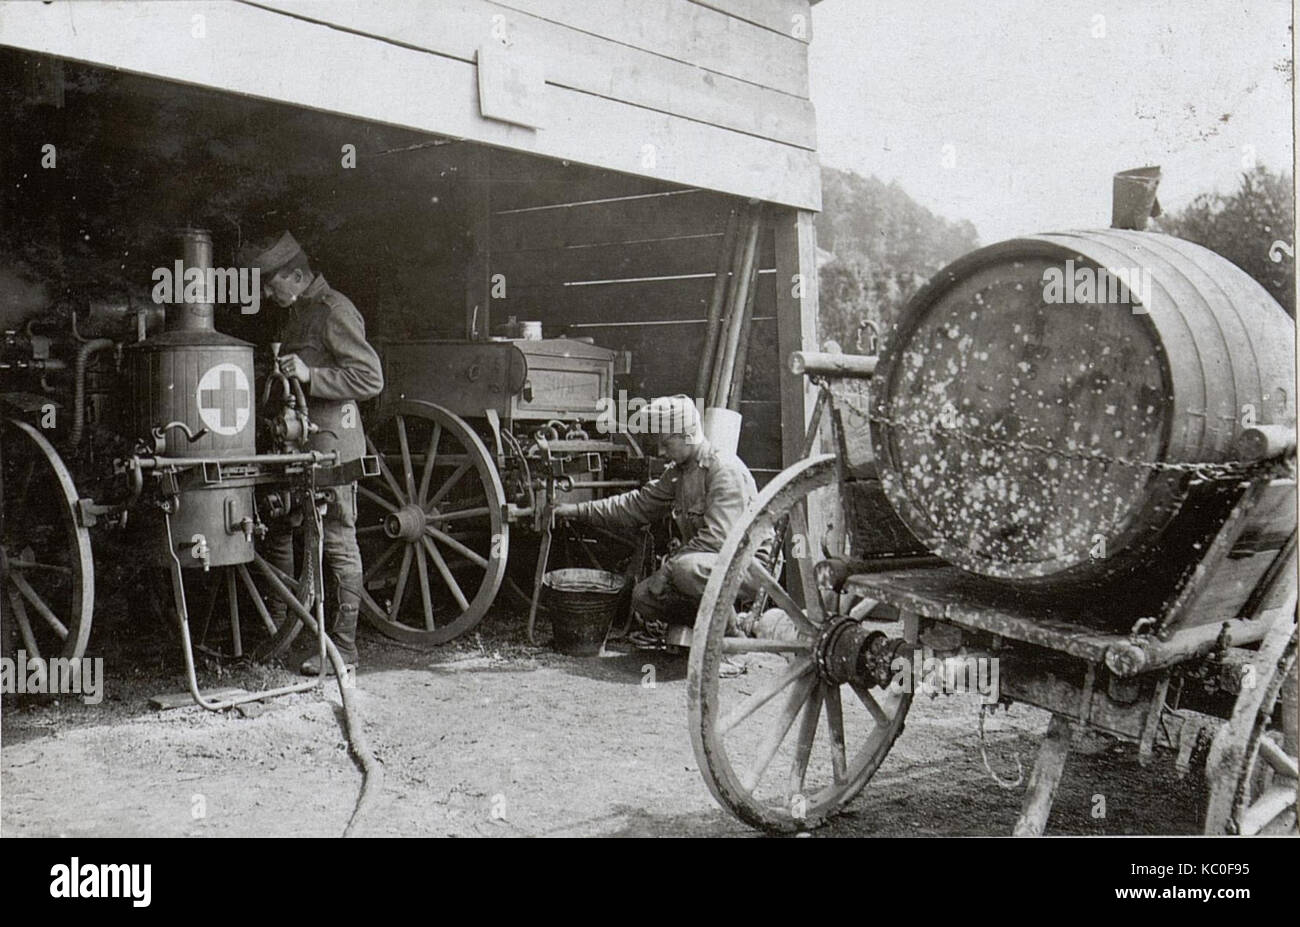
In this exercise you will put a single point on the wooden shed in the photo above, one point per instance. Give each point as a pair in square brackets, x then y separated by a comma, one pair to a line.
[572, 161]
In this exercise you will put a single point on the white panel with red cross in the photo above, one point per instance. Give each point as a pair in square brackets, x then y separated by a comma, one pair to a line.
[224, 399]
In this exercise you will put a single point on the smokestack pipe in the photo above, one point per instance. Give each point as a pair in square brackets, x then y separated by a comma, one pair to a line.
[196, 251]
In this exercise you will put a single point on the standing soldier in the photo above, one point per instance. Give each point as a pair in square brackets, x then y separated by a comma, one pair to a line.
[324, 346]
[705, 489]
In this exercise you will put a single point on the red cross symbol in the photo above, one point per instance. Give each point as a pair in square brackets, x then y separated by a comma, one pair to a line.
[229, 400]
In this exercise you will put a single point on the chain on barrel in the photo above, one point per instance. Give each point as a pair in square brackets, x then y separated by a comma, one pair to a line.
[1033, 430]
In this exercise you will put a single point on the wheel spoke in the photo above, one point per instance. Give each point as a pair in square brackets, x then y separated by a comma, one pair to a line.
[258, 605]
[400, 589]
[379, 564]
[17, 564]
[386, 473]
[24, 626]
[428, 462]
[460, 514]
[804, 565]
[812, 710]
[423, 569]
[763, 645]
[1266, 808]
[764, 694]
[38, 603]
[236, 638]
[452, 481]
[408, 469]
[1276, 757]
[782, 599]
[835, 726]
[869, 702]
[445, 571]
[376, 498]
[776, 732]
[470, 555]
[368, 601]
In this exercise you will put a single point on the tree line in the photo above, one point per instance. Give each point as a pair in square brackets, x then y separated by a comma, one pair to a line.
[877, 246]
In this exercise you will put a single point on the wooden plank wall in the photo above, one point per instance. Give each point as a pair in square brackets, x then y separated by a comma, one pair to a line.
[630, 263]
[711, 94]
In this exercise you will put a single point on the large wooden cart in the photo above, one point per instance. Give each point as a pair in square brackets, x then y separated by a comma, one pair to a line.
[475, 440]
[1202, 667]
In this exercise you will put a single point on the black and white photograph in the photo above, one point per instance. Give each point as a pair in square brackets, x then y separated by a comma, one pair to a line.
[860, 419]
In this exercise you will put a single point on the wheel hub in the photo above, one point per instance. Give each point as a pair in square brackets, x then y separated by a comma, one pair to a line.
[407, 523]
[848, 651]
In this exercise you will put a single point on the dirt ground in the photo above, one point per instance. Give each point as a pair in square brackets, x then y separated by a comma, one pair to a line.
[491, 737]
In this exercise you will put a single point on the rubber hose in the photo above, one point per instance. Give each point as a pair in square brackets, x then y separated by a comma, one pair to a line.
[79, 386]
[372, 773]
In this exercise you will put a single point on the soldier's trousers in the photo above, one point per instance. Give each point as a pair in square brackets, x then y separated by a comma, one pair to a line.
[673, 592]
[342, 563]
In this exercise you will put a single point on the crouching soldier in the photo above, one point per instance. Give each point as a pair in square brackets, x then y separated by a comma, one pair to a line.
[324, 346]
[704, 489]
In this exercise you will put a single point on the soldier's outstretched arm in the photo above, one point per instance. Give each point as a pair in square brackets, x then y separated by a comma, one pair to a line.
[632, 509]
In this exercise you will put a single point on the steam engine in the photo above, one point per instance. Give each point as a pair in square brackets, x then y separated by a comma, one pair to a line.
[145, 420]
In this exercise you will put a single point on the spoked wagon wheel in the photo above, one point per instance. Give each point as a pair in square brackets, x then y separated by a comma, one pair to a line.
[796, 738]
[49, 576]
[233, 610]
[1251, 769]
[438, 506]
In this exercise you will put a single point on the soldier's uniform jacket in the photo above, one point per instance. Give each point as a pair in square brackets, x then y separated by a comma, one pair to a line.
[705, 498]
[328, 333]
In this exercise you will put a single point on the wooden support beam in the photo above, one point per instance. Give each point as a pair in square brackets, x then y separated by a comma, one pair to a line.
[1044, 779]
[478, 285]
[796, 313]
[796, 327]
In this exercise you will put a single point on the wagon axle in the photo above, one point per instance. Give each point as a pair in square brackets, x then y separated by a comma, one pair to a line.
[847, 651]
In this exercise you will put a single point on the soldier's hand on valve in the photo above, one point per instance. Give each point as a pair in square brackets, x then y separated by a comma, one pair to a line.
[291, 365]
[566, 510]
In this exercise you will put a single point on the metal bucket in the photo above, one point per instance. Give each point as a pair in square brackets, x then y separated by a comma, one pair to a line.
[582, 605]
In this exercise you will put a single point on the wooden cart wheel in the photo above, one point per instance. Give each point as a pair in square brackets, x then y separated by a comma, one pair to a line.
[231, 615]
[438, 506]
[1251, 769]
[763, 747]
[49, 575]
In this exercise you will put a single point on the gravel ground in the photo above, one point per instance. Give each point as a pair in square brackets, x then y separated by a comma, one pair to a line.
[489, 736]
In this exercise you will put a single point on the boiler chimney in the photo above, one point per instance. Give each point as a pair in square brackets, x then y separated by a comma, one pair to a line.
[196, 251]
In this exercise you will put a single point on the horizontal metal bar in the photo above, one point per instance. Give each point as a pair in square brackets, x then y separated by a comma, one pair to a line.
[607, 484]
[323, 458]
[818, 364]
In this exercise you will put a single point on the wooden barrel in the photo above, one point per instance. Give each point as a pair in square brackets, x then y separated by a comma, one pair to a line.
[1028, 391]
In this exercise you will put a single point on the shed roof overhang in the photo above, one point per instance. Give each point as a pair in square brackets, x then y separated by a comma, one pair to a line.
[674, 90]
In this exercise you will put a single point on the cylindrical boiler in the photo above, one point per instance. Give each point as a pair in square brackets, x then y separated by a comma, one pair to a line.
[198, 377]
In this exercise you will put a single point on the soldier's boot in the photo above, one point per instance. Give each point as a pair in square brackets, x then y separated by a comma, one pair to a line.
[344, 636]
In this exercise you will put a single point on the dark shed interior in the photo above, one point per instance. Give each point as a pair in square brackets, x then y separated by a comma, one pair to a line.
[429, 236]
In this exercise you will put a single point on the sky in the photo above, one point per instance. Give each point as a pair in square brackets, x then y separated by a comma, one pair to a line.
[1014, 114]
